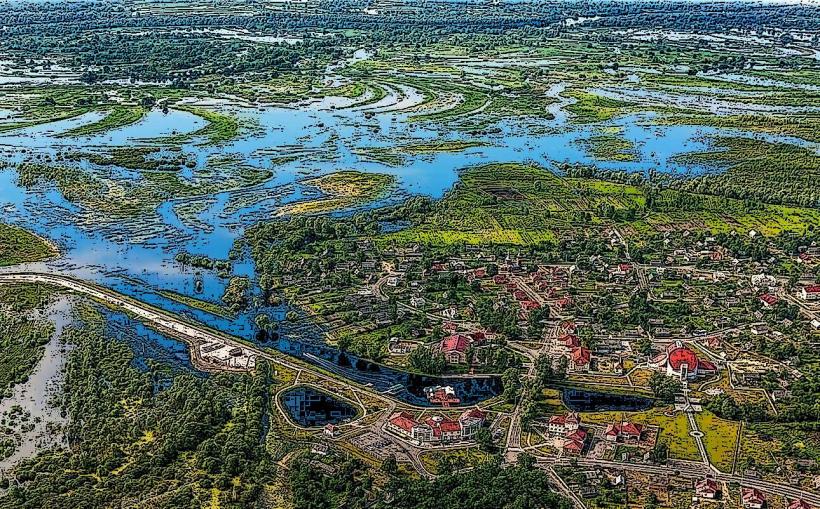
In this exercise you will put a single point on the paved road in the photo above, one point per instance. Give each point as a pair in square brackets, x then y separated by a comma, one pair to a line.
[191, 333]
[690, 470]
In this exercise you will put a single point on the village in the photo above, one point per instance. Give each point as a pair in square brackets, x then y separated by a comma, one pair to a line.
[640, 354]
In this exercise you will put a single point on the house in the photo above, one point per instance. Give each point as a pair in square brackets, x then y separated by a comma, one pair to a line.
[681, 362]
[454, 348]
[563, 424]
[444, 429]
[625, 431]
[501, 279]
[441, 395]
[569, 341]
[471, 421]
[573, 447]
[331, 430]
[811, 292]
[759, 329]
[768, 300]
[707, 488]
[580, 358]
[319, 449]
[405, 425]
[418, 302]
[574, 442]
[798, 504]
[752, 498]
[620, 270]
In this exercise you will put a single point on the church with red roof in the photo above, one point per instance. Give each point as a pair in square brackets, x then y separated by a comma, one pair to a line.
[682, 362]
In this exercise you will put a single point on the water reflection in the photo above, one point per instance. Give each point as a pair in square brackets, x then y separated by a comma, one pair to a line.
[591, 401]
[310, 407]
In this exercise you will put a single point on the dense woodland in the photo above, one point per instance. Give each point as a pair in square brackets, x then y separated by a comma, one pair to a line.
[105, 40]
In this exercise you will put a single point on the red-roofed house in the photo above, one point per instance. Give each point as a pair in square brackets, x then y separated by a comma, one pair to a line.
[752, 498]
[622, 269]
[406, 425]
[529, 305]
[454, 348]
[768, 300]
[706, 367]
[444, 429]
[578, 435]
[707, 488]
[562, 424]
[569, 341]
[683, 363]
[798, 504]
[580, 358]
[574, 441]
[471, 421]
[810, 292]
[625, 431]
[573, 447]
[478, 336]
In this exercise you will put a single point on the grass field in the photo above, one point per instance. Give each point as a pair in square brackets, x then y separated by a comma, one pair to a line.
[19, 246]
[342, 189]
[221, 128]
[459, 458]
[720, 439]
[119, 116]
[202, 305]
[591, 108]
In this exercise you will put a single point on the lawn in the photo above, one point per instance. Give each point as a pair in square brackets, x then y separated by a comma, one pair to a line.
[720, 439]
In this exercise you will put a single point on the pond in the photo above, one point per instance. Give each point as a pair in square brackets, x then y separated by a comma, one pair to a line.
[591, 401]
[404, 386]
[310, 407]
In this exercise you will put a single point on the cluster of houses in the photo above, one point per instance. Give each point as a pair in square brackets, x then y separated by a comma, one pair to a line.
[571, 437]
[437, 429]
[567, 428]
[750, 498]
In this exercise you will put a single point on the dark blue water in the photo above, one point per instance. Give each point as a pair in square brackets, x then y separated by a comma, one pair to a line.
[591, 401]
[310, 407]
[407, 387]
